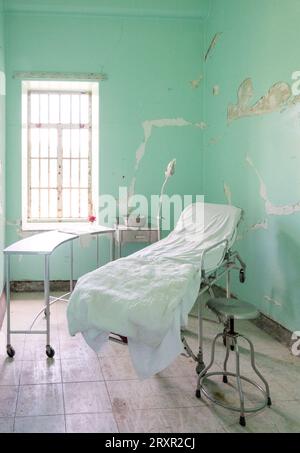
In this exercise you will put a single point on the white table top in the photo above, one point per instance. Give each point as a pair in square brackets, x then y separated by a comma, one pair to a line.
[79, 230]
[39, 244]
[46, 243]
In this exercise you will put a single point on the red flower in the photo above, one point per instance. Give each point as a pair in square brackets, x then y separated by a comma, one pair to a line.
[92, 218]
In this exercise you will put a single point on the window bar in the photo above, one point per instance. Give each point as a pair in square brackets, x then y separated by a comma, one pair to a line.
[39, 160]
[59, 163]
[49, 179]
[79, 161]
[90, 202]
[29, 129]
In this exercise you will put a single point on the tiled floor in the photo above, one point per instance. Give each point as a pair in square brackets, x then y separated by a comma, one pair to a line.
[79, 391]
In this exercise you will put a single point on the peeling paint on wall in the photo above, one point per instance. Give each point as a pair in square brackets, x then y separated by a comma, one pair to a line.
[2, 83]
[214, 140]
[271, 209]
[195, 83]
[164, 122]
[264, 225]
[201, 125]
[278, 97]
[216, 90]
[212, 45]
[272, 301]
[228, 194]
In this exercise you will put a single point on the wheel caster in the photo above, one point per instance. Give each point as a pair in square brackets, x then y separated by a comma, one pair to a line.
[232, 347]
[225, 380]
[269, 403]
[242, 421]
[10, 351]
[50, 351]
[198, 393]
[242, 276]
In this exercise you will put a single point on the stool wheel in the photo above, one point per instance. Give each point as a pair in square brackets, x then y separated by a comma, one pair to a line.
[10, 351]
[198, 393]
[50, 351]
[242, 421]
[242, 276]
[269, 403]
[225, 380]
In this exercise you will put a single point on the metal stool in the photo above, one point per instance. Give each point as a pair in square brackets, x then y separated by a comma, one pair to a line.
[227, 311]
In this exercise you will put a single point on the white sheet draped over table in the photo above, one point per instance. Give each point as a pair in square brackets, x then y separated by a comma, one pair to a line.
[147, 296]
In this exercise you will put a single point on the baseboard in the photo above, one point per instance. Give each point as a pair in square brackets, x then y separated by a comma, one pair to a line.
[38, 286]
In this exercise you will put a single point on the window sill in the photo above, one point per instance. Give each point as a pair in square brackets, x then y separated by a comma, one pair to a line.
[37, 227]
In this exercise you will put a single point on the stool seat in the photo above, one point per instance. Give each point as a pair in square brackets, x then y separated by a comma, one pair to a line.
[233, 308]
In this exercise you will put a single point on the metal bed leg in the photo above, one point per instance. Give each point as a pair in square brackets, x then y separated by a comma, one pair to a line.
[201, 365]
[71, 265]
[9, 349]
[228, 292]
[49, 350]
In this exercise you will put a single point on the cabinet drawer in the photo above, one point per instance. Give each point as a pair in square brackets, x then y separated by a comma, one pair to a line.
[135, 236]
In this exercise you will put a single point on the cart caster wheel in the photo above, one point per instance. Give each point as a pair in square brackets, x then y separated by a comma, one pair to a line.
[269, 403]
[242, 421]
[198, 393]
[242, 276]
[10, 351]
[225, 380]
[50, 351]
[232, 347]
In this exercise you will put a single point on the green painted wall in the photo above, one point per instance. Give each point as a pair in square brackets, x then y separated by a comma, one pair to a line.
[259, 40]
[2, 144]
[150, 62]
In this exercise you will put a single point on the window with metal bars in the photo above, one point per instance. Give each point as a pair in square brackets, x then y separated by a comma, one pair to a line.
[59, 154]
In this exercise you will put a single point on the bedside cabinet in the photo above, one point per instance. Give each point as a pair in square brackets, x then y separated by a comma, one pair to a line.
[126, 235]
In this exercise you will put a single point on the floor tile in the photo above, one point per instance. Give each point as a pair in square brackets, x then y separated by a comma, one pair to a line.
[86, 397]
[6, 425]
[44, 424]
[159, 393]
[81, 370]
[91, 423]
[10, 371]
[44, 399]
[8, 400]
[41, 371]
[181, 420]
[282, 417]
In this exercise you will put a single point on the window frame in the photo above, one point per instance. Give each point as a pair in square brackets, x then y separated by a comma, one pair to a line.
[61, 87]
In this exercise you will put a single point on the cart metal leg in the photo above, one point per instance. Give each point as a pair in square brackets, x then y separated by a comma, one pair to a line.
[98, 254]
[200, 365]
[49, 350]
[9, 349]
[71, 265]
[113, 247]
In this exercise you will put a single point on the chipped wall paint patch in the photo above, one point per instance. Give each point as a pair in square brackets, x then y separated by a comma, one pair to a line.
[272, 301]
[212, 45]
[228, 194]
[270, 208]
[195, 83]
[278, 97]
[2, 84]
[216, 90]
[264, 225]
[148, 126]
